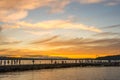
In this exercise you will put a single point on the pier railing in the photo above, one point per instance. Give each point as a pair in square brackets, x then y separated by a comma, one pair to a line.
[19, 61]
[20, 64]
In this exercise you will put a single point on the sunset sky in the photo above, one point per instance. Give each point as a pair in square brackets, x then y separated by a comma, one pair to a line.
[65, 28]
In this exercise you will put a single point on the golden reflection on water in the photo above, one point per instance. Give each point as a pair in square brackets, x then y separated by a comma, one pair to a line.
[86, 73]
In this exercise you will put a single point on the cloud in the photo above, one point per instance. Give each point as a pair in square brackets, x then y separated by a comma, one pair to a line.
[14, 11]
[84, 45]
[83, 42]
[106, 2]
[9, 41]
[45, 40]
[71, 42]
[21, 8]
[100, 46]
[1, 50]
[0, 28]
[26, 5]
[1, 36]
[90, 1]
[107, 34]
[11, 16]
[112, 26]
[20, 52]
[38, 32]
[17, 10]
[63, 24]
[76, 46]
[7, 26]
[112, 2]
[52, 24]
[105, 41]
[59, 6]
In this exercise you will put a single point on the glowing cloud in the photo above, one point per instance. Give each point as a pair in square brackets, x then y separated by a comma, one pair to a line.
[64, 24]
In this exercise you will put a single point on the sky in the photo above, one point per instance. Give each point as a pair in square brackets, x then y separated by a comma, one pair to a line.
[64, 28]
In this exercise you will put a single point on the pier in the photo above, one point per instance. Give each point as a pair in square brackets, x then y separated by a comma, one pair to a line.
[21, 64]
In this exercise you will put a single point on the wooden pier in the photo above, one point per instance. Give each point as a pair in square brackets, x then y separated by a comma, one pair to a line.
[21, 64]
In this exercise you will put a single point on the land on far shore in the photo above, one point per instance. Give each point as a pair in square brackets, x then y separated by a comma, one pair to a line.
[111, 57]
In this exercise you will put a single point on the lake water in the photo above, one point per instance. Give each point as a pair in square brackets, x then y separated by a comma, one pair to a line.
[76, 73]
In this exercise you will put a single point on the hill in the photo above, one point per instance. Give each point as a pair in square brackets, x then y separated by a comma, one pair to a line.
[113, 57]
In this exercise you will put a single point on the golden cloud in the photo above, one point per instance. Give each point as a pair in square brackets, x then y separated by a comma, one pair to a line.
[82, 46]
[10, 16]
[9, 41]
[70, 48]
[13, 10]
[64, 24]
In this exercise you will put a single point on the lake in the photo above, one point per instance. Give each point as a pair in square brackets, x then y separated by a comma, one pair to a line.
[75, 73]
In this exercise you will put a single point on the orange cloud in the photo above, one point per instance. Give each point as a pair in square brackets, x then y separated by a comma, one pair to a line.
[16, 10]
[10, 16]
[76, 48]
[45, 40]
[81, 46]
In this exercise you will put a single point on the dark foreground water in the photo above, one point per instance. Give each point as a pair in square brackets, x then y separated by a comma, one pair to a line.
[79, 73]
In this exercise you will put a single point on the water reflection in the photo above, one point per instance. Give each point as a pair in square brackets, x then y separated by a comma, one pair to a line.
[88, 73]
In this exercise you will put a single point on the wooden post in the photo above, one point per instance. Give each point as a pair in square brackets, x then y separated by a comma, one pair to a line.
[0, 62]
[33, 61]
[4, 62]
[19, 62]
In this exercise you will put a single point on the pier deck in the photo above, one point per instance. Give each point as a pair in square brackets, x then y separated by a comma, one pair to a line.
[8, 65]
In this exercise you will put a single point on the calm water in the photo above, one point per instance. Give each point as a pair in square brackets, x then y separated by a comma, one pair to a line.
[86, 73]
